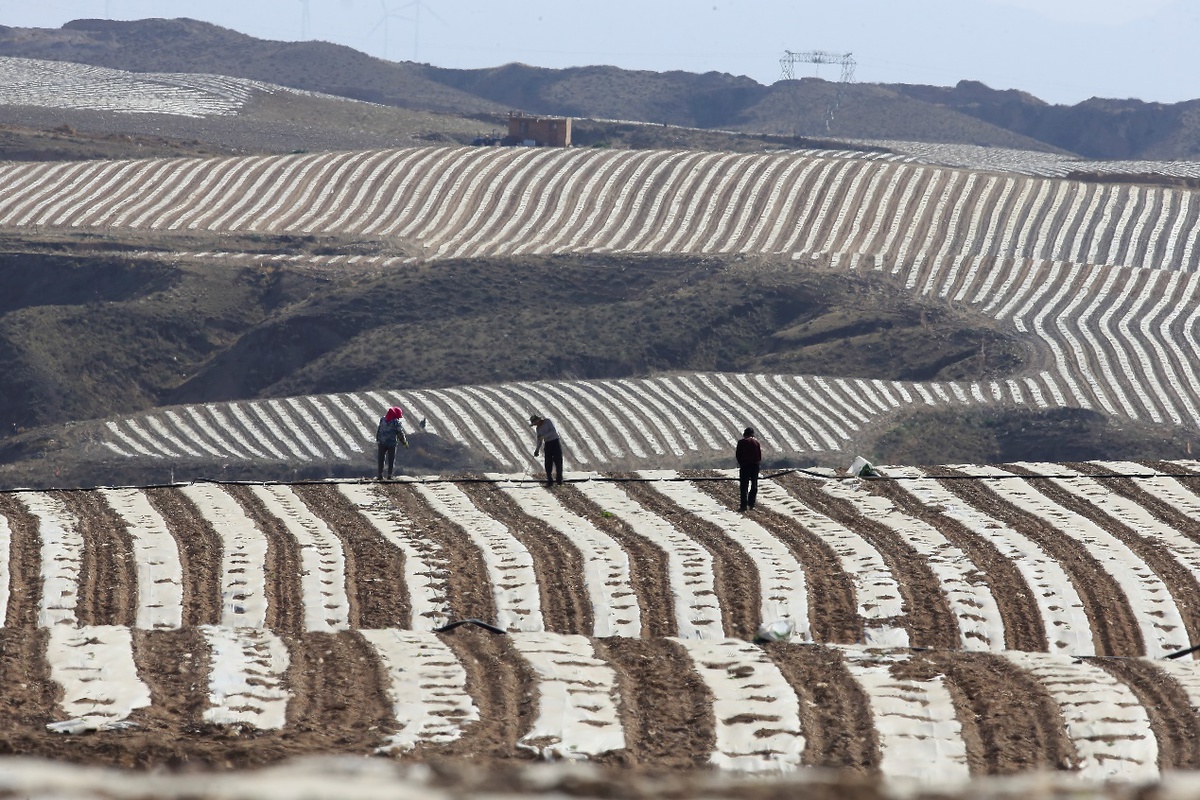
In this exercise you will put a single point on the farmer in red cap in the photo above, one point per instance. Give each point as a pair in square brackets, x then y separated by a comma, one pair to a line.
[388, 435]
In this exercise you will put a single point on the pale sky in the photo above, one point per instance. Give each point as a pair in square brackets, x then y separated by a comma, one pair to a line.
[1062, 51]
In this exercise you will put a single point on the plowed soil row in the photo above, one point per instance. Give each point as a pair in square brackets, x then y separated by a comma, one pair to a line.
[1114, 627]
[339, 703]
[930, 621]
[378, 595]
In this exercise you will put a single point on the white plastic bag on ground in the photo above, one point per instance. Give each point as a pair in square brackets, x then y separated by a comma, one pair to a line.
[862, 468]
[780, 630]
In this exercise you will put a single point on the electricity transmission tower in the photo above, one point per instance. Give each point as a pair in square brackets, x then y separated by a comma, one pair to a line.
[790, 60]
[844, 60]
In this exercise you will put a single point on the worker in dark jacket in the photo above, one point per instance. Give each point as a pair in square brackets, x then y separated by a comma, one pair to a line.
[749, 457]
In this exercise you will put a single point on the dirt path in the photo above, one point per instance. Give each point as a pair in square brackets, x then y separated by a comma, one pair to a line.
[24, 566]
[374, 567]
[835, 714]
[735, 577]
[502, 686]
[1114, 626]
[1135, 491]
[1172, 718]
[175, 665]
[29, 699]
[1174, 518]
[200, 553]
[340, 702]
[666, 708]
[930, 622]
[832, 602]
[108, 574]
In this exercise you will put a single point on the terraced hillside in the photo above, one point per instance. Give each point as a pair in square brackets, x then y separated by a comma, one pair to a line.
[1031, 162]
[1103, 277]
[948, 622]
[680, 419]
[459, 202]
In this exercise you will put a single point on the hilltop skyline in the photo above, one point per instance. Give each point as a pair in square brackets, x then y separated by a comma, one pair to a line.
[1061, 52]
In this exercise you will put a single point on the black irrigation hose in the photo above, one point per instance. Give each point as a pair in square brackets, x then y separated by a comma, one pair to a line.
[1183, 652]
[637, 479]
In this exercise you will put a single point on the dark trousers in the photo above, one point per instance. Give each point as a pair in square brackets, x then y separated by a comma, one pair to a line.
[553, 452]
[390, 453]
[748, 484]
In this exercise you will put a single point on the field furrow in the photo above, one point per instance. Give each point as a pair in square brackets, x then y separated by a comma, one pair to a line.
[761, 709]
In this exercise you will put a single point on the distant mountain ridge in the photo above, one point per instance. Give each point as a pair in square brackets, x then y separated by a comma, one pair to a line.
[969, 112]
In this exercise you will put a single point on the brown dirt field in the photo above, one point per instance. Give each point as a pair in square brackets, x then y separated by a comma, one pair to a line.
[29, 696]
[1023, 628]
[557, 563]
[339, 705]
[108, 579]
[503, 688]
[1115, 629]
[339, 694]
[378, 593]
[832, 603]
[25, 560]
[667, 709]
[177, 666]
[1010, 722]
[467, 586]
[343, 707]
[930, 622]
[375, 602]
[834, 711]
[735, 577]
[200, 551]
[647, 565]
[1184, 587]
[1132, 489]
[1172, 468]
[1171, 716]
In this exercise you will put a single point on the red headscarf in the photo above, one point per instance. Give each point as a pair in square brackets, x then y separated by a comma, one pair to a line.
[394, 412]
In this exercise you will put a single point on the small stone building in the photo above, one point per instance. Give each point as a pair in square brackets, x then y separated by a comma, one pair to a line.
[540, 131]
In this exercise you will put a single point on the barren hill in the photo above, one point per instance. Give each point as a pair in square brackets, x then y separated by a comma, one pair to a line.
[56, 109]
[967, 113]
[183, 45]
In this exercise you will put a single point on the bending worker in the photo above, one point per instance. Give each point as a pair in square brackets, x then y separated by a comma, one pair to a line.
[547, 436]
